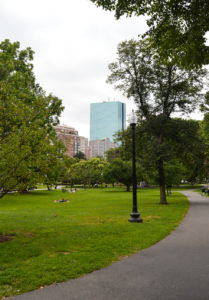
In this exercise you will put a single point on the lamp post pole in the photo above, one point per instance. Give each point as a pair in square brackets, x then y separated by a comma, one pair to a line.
[135, 216]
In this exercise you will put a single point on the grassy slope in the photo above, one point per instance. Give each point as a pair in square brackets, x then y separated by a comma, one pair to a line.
[54, 242]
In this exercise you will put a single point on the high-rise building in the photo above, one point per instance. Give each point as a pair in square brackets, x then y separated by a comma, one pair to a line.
[84, 146]
[106, 119]
[98, 147]
[70, 139]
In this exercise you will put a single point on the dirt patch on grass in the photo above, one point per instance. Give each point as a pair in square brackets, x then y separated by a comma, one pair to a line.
[5, 238]
[151, 217]
[28, 234]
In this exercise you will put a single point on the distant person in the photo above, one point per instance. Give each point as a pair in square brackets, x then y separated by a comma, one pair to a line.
[203, 191]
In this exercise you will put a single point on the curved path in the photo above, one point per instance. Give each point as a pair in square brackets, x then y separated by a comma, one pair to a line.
[175, 268]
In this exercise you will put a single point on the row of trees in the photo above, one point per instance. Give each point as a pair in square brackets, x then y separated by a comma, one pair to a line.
[98, 171]
[162, 73]
[184, 152]
[168, 149]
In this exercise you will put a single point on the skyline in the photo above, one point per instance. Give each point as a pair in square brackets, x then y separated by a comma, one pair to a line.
[73, 41]
[106, 119]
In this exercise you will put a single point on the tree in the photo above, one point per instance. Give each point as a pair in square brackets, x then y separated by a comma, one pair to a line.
[57, 170]
[182, 151]
[108, 174]
[112, 154]
[121, 171]
[80, 155]
[177, 27]
[87, 171]
[158, 89]
[174, 172]
[204, 125]
[189, 148]
[27, 115]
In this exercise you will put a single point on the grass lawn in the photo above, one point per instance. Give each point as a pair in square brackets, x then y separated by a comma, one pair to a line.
[54, 242]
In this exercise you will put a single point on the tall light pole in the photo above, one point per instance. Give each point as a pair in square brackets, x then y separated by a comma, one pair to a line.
[135, 216]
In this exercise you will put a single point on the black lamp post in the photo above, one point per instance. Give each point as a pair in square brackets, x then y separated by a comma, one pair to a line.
[135, 216]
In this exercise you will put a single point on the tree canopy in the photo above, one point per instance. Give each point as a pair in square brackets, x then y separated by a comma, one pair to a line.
[176, 27]
[121, 171]
[156, 87]
[159, 89]
[28, 143]
[87, 171]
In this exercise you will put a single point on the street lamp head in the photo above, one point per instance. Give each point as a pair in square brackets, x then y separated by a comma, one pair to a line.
[132, 118]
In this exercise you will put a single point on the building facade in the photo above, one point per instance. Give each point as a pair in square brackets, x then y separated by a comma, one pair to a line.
[84, 146]
[106, 119]
[98, 147]
[70, 139]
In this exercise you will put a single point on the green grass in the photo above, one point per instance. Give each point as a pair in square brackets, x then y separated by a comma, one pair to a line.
[54, 242]
[184, 187]
[41, 186]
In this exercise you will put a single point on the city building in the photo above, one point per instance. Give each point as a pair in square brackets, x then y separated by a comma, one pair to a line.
[98, 147]
[106, 119]
[84, 146]
[70, 139]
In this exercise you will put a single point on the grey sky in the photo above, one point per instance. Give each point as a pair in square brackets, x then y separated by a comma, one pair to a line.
[74, 41]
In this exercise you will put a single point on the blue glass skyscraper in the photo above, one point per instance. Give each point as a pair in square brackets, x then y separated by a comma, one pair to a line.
[106, 119]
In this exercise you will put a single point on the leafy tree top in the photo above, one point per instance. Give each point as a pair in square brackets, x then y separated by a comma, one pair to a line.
[177, 27]
[158, 88]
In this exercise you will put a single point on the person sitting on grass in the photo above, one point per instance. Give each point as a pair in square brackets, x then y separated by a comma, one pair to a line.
[63, 200]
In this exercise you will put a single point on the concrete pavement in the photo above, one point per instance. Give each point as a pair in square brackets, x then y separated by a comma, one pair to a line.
[176, 268]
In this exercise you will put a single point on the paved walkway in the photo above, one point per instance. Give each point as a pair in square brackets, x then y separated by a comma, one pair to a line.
[175, 268]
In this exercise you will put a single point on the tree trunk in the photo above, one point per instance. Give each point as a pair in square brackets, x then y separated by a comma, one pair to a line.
[162, 182]
[48, 187]
[127, 188]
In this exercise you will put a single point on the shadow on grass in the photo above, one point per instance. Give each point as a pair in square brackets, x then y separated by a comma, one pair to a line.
[35, 193]
[122, 191]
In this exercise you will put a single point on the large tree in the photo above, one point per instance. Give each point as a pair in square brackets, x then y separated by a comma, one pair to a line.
[121, 171]
[28, 142]
[177, 27]
[183, 151]
[87, 171]
[158, 89]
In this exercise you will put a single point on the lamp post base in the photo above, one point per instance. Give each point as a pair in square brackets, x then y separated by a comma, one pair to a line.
[135, 217]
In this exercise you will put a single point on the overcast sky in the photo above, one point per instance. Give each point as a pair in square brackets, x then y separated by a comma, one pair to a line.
[74, 41]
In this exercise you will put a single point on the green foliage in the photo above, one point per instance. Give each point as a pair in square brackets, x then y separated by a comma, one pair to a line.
[28, 143]
[159, 89]
[80, 155]
[174, 173]
[177, 28]
[87, 171]
[204, 133]
[57, 172]
[55, 242]
[112, 153]
[121, 171]
[182, 151]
